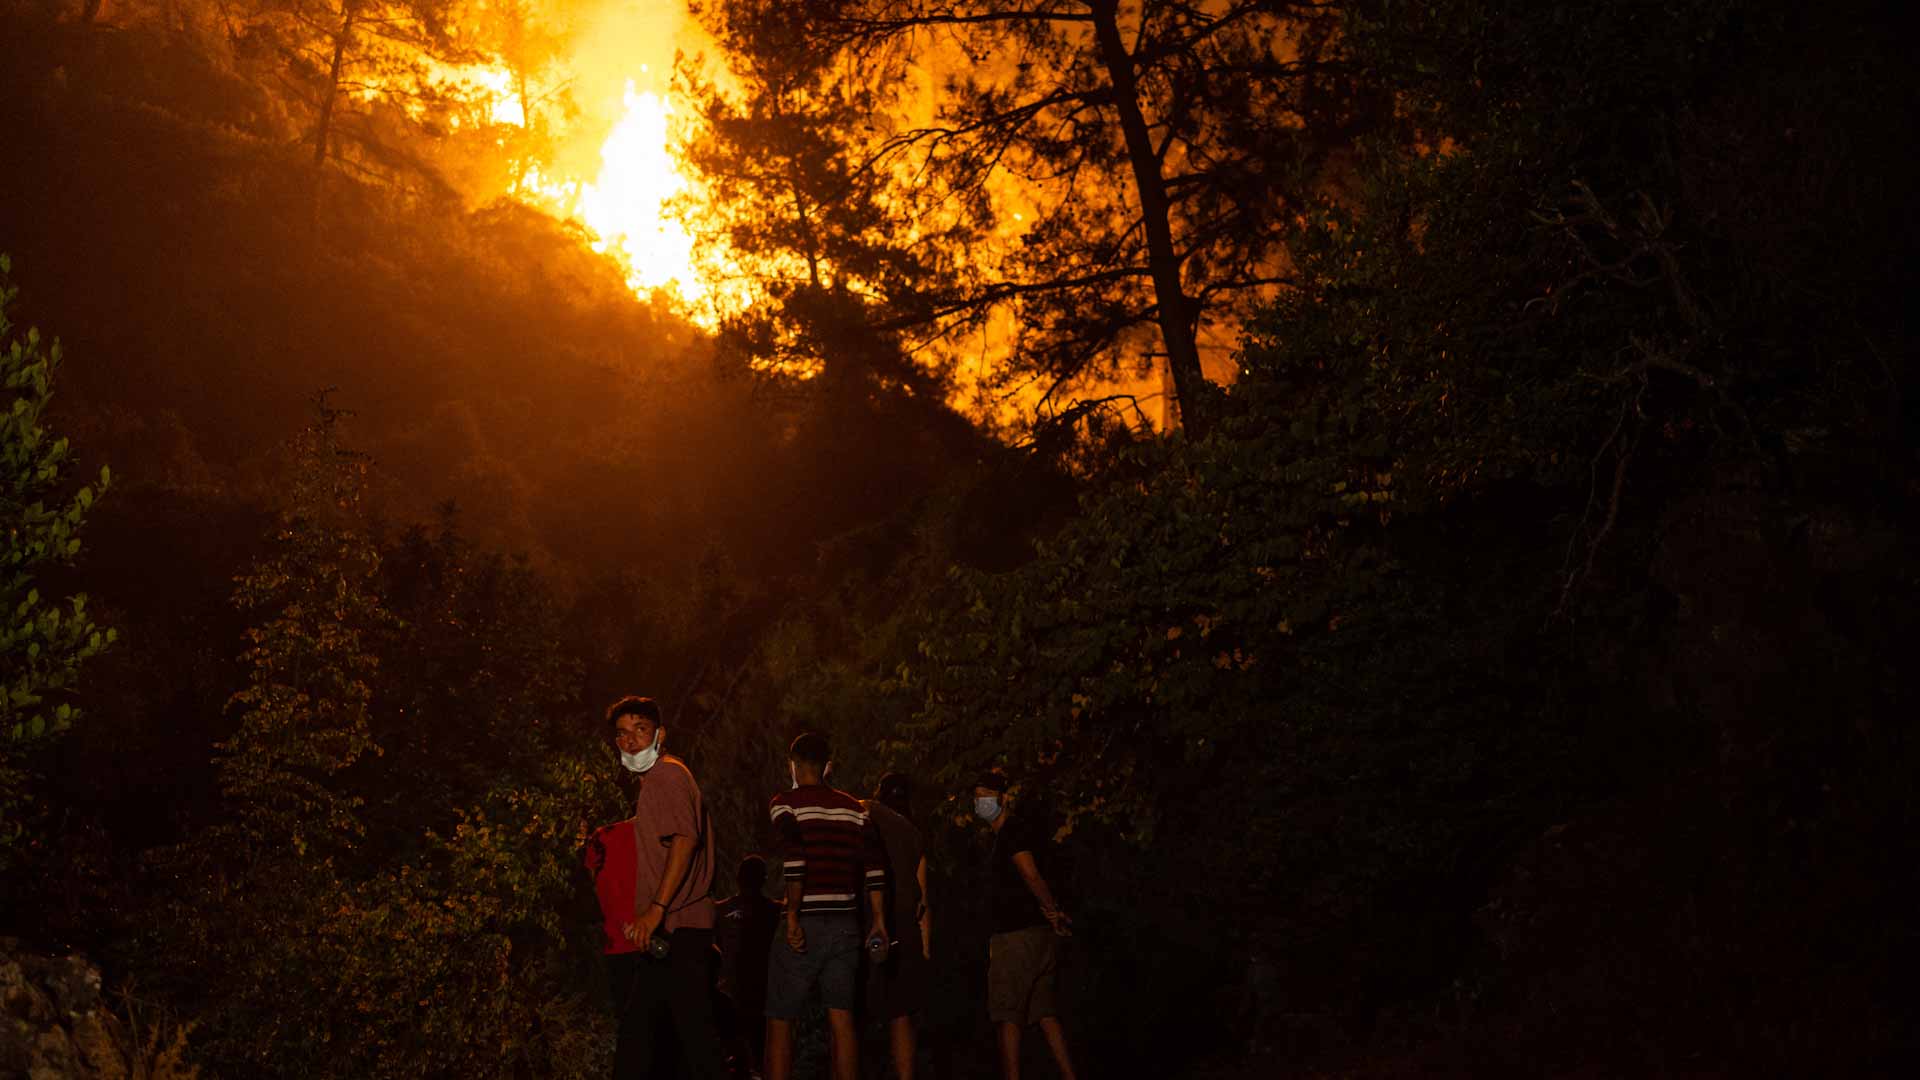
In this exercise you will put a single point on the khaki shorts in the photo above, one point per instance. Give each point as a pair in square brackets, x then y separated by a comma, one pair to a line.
[1020, 968]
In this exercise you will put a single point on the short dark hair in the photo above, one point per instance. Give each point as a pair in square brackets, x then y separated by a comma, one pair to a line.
[896, 791]
[752, 874]
[812, 748]
[992, 780]
[633, 705]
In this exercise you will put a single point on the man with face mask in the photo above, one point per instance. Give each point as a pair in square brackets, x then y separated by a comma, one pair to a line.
[653, 873]
[1021, 954]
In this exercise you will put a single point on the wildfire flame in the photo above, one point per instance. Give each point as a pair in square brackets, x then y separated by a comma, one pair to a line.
[625, 205]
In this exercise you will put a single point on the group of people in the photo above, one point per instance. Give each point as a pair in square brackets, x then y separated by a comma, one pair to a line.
[855, 910]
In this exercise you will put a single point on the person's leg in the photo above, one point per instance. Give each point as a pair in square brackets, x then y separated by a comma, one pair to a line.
[840, 956]
[726, 1020]
[779, 1049]
[903, 998]
[635, 994]
[668, 1061]
[1009, 1050]
[789, 978]
[691, 998]
[900, 1036]
[1056, 1037]
[1012, 965]
[753, 1031]
[846, 1044]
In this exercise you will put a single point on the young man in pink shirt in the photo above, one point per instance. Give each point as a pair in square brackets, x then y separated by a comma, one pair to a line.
[653, 874]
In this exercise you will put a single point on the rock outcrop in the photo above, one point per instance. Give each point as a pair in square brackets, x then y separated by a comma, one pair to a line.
[55, 1024]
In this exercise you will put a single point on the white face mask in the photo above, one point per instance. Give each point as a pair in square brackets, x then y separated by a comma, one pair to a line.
[986, 807]
[645, 759]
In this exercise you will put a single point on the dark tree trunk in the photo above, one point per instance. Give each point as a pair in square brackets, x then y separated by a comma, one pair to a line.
[526, 102]
[332, 91]
[1177, 311]
[802, 215]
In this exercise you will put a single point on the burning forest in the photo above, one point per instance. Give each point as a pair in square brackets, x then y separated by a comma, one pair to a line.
[1110, 537]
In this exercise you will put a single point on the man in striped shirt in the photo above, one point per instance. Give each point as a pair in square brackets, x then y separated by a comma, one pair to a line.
[830, 855]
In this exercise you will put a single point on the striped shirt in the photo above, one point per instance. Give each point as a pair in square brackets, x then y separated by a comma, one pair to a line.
[827, 844]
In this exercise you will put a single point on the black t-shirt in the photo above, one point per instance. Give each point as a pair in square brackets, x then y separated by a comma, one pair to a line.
[1014, 907]
[744, 927]
[904, 852]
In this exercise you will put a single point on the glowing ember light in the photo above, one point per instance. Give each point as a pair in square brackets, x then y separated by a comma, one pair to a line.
[502, 98]
[534, 186]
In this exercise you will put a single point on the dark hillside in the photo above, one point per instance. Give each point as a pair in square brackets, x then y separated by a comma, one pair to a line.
[159, 215]
[488, 357]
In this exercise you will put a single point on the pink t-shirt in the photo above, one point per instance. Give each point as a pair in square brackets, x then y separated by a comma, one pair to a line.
[628, 858]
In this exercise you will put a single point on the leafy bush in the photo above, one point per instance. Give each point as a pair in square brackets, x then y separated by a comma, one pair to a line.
[43, 645]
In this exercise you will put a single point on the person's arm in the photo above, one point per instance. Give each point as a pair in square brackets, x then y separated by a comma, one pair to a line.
[873, 857]
[679, 857]
[1037, 885]
[877, 903]
[647, 920]
[791, 846]
[926, 910]
[796, 937]
[727, 917]
[678, 823]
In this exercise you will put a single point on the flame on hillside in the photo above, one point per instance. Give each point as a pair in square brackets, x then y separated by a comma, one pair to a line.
[604, 125]
[625, 204]
[605, 128]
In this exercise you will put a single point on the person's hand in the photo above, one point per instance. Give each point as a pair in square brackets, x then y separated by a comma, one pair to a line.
[796, 937]
[1062, 926]
[640, 930]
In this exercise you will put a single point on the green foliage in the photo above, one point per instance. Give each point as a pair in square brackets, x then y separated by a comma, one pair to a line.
[474, 960]
[304, 712]
[43, 645]
[474, 674]
[1301, 688]
[351, 915]
[250, 892]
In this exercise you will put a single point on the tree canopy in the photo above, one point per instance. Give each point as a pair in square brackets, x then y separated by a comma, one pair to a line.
[43, 644]
[1091, 173]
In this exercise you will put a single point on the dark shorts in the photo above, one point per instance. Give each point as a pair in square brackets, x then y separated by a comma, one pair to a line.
[831, 962]
[899, 986]
[1020, 966]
